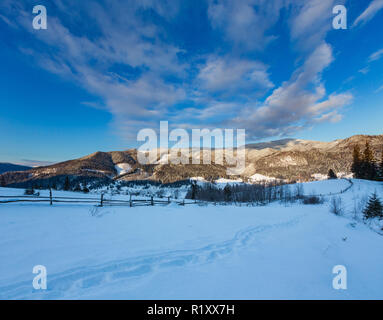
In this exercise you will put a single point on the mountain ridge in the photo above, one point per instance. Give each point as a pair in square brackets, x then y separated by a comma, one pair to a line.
[288, 159]
[7, 167]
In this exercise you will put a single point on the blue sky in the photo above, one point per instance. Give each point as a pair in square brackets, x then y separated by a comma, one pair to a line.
[103, 70]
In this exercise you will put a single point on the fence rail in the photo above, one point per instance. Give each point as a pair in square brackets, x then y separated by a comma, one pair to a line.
[101, 201]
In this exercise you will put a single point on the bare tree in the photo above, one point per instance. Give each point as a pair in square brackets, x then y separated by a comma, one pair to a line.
[336, 206]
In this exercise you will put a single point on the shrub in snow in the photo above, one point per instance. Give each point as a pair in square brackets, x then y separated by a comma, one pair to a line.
[312, 200]
[29, 192]
[374, 208]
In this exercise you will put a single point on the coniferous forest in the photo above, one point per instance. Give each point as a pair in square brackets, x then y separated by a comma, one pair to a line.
[365, 165]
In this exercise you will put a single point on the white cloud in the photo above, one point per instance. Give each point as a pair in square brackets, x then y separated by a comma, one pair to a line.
[230, 74]
[376, 55]
[213, 110]
[294, 105]
[310, 21]
[364, 70]
[245, 23]
[369, 13]
[373, 57]
[332, 117]
[248, 23]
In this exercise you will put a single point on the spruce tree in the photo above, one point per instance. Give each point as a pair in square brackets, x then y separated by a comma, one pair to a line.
[374, 208]
[2, 181]
[227, 193]
[369, 170]
[356, 163]
[66, 184]
[381, 168]
[193, 190]
[331, 174]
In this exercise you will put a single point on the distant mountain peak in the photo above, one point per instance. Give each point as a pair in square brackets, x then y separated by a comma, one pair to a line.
[275, 144]
[7, 167]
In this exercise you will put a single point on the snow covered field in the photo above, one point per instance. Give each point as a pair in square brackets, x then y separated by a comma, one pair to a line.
[193, 252]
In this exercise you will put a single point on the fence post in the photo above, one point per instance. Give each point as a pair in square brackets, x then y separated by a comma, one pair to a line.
[102, 200]
[168, 199]
[151, 201]
[50, 196]
[183, 202]
[130, 201]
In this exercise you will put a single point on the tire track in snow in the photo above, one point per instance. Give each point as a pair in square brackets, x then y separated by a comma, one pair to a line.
[60, 285]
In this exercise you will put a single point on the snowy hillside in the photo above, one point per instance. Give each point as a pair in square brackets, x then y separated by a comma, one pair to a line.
[278, 251]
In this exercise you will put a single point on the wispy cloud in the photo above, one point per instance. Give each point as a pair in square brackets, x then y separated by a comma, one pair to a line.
[373, 57]
[374, 7]
[245, 23]
[310, 22]
[122, 37]
[364, 70]
[232, 75]
[376, 55]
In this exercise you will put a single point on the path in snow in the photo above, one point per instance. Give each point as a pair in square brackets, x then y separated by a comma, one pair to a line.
[63, 284]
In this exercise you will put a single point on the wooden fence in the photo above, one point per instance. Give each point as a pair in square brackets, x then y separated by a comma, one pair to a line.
[101, 201]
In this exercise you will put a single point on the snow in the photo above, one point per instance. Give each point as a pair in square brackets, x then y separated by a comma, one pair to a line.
[261, 178]
[45, 171]
[325, 187]
[345, 175]
[288, 161]
[123, 168]
[198, 178]
[165, 159]
[228, 181]
[193, 252]
[319, 176]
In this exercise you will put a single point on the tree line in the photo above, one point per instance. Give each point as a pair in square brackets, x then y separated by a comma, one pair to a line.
[260, 194]
[365, 166]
